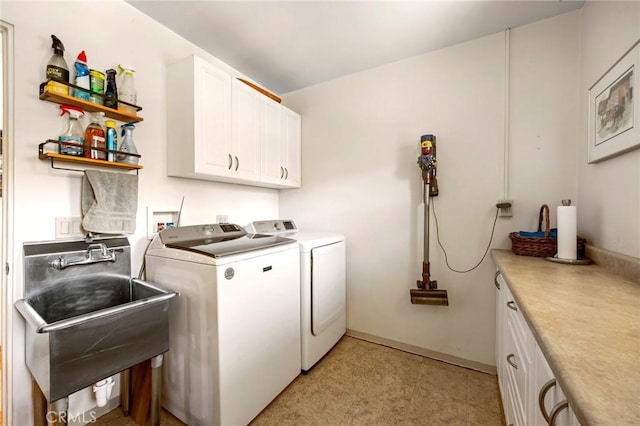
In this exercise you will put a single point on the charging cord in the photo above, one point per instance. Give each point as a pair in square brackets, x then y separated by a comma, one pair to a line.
[446, 260]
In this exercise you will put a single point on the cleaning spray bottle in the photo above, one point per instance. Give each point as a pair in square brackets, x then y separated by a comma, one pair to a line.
[111, 92]
[127, 145]
[57, 69]
[127, 91]
[72, 139]
[82, 77]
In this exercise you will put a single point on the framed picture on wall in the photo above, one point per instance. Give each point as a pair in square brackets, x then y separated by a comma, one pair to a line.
[614, 109]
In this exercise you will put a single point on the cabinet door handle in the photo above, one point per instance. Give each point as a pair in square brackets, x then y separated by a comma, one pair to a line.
[512, 305]
[495, 280]
[511, 363]
[286, 171]
[237, 163]
[281, 172]
[230, 162]
[556, 411]
[542, 395]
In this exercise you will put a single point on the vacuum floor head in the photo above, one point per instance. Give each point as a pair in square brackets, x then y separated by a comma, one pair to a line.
[421, 296]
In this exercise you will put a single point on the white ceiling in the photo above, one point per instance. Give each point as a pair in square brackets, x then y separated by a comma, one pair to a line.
[288, 45]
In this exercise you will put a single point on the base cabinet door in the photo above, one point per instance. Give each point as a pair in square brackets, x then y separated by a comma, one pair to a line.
[550, 404]
[530, 393]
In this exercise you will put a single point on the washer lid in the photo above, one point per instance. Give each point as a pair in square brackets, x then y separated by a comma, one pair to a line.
[218, 240]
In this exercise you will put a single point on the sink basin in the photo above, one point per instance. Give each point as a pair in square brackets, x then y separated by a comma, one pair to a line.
[89, 323]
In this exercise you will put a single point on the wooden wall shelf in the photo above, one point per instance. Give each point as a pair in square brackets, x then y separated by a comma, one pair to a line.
[116, 114]
[54, 157]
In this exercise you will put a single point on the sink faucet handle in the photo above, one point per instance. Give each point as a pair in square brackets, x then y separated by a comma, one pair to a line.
[59, 263]
[98, 246]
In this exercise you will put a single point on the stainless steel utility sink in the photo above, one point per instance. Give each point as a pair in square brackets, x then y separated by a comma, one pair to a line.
[86, 318]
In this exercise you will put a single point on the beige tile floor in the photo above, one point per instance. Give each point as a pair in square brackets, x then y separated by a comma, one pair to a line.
[361, 383]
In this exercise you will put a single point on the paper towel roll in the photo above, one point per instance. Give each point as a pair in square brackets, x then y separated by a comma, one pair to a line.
[567, 233]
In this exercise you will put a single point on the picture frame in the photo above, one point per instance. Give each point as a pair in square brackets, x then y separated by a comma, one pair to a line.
[614, 109]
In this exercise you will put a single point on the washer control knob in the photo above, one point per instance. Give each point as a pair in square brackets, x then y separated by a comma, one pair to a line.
[207, 230]
[277, 226]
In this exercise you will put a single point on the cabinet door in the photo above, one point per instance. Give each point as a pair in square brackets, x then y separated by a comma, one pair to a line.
[292, 131]
[246, 132]
[500, 353]
[544, 383]
[212, 132]
[272, 141]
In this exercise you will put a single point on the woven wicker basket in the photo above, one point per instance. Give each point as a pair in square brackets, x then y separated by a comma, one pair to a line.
[545, 246]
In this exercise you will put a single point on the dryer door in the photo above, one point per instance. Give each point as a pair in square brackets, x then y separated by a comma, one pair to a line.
[328, 285]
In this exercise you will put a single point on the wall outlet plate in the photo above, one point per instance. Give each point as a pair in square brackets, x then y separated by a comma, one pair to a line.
[222, 218]
[505, 211]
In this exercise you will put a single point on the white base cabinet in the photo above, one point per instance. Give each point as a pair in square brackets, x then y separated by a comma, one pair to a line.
[524, 376]
[220, 129]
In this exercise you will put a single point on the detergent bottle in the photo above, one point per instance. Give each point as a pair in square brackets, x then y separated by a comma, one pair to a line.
[94, 137]
[72, 139]
[127, 145]
[82, 77]
[126, 89]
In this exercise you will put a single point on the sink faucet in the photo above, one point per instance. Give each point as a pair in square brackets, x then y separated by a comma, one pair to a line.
[104, 256]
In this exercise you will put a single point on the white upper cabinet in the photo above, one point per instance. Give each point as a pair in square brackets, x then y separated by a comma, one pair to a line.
[281, 145]
[220, 129]
[292, 141]
[272, 169]
[245, 117]
[198, 120]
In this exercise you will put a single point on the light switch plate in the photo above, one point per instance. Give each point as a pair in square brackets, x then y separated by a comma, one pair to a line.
[69, 227]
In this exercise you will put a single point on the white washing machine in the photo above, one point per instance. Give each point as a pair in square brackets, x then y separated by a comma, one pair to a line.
[235, 328]
[322, 286]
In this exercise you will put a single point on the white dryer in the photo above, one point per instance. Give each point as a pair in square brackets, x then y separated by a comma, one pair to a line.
[235, 330]
[322, 286]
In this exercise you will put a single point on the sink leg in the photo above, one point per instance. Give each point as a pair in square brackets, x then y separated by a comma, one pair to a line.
[58, 411]
[39, 404]
[156, 388]
[125, 391]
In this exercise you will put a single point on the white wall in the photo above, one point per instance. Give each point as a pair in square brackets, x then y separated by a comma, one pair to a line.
[110, 33]
[361, 138]
[609, 191]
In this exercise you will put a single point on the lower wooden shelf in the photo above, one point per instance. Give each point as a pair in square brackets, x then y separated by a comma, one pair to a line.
[53, 157]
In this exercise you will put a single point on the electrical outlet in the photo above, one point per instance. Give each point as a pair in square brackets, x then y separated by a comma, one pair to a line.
[504, 208]
[222, 218]
[69, 227]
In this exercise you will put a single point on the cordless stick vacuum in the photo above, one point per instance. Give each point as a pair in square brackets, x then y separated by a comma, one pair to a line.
[427, 292]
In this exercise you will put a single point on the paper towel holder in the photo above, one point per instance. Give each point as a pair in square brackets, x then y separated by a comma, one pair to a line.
[557, 259]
